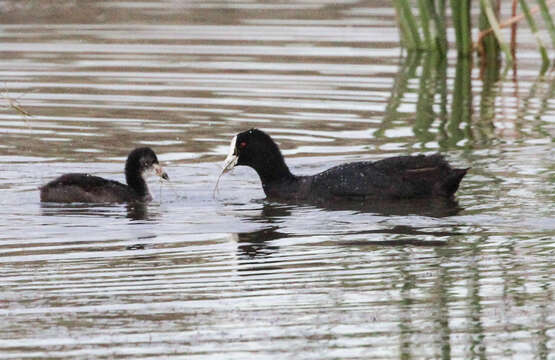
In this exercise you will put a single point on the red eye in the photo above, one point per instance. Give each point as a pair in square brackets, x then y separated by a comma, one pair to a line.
[242, 144]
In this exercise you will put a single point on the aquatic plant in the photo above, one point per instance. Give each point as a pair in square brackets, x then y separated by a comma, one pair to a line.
[422, 26]
[450, 110]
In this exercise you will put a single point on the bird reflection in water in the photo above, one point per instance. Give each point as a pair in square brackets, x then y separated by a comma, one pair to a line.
[133, 211]
[256, 246]
[136, 212]
[436, 207]
[254, 249]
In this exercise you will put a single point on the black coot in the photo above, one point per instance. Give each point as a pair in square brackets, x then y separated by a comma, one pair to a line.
[401, 177]
[93, 189]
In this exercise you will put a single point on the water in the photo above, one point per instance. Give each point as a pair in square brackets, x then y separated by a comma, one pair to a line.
[238, 276]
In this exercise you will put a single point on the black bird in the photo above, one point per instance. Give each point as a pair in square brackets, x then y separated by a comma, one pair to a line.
[401, 177]
[93, 189]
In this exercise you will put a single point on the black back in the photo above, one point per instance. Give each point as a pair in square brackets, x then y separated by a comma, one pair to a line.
[397, 177]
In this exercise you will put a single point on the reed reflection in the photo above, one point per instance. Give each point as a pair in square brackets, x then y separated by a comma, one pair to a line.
[459, 119]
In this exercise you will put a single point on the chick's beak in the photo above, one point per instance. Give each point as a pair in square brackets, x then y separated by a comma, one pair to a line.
[160, 172]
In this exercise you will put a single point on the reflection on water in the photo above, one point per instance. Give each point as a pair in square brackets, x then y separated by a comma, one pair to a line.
[238, 277]
[434, 207]
[134, 211]
[257, 244]
[253, 245]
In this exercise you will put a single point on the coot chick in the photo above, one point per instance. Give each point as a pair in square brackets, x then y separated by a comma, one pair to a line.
[93, 189]
[401, 177]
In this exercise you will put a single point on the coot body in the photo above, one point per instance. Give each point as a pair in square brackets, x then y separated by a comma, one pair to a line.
[87, 188]
[401, 177]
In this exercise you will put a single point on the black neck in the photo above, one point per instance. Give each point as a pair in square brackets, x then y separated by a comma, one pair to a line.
[273, 169]
[135, 180]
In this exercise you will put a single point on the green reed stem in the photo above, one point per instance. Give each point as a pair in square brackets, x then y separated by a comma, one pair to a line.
[534, 29]
[456, 23]
[407, 18]
[406, 32]
[489, 13]
[547, 19]
[460, 12]
[402, 30]
[440, 31]
[425, 11]
[466, 26]
[489, 42]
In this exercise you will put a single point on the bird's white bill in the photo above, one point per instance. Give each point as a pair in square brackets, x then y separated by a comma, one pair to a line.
[229, 163]
[231, 159]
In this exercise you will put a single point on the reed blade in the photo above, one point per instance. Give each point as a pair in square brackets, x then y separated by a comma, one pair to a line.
[534, 29]
[547, 19]
[437, 10]
[460, 13]
[488, 11]
[488, 45]
[408, 19]
[425, 12]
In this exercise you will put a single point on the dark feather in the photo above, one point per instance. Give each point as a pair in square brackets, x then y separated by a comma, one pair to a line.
[396, 177]
[85, 188]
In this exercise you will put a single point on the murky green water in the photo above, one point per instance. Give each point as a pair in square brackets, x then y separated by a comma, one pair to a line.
[238, 276]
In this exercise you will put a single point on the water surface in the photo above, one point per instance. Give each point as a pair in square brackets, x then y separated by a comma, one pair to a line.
[239, 276]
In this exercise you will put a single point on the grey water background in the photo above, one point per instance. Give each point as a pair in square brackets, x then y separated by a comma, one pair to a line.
[237, 276]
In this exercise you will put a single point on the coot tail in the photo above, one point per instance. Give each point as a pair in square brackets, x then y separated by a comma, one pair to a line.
[453, 180]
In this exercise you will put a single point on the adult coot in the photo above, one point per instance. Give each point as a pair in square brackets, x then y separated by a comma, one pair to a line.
[93, 189]
[400, 177]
